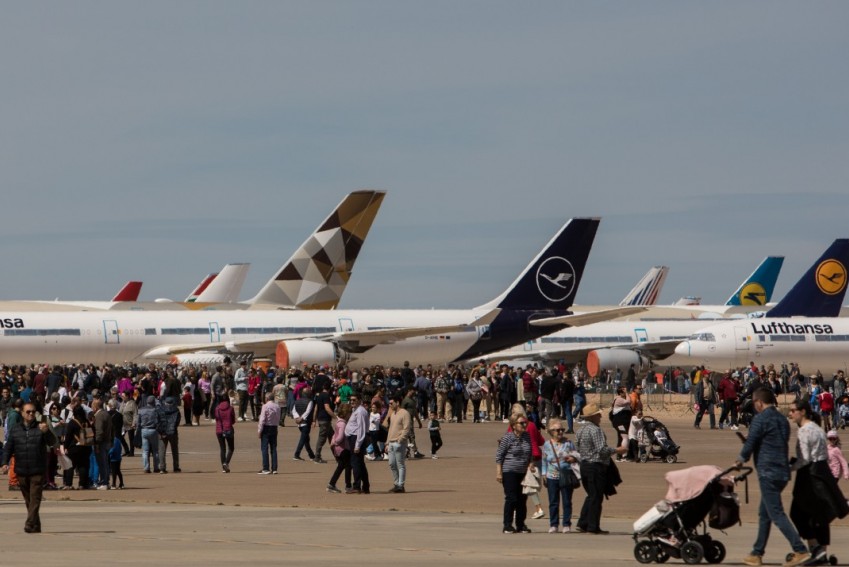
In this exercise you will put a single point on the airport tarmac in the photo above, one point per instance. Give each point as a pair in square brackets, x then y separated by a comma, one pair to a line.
[451, 511]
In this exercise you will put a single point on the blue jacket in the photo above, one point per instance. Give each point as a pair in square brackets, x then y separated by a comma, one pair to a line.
[769, 436]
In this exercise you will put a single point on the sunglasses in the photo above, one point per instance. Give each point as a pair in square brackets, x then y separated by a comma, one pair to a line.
[29, 412]
[521, 423]
[559, 430]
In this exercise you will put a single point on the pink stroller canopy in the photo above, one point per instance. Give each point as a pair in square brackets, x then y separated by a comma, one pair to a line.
[686, 484]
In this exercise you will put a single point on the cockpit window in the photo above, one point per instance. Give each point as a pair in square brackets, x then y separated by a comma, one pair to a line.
[707, 337]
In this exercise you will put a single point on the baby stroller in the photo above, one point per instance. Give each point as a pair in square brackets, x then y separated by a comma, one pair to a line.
[842, 412]
[654, 442]
[670, 527]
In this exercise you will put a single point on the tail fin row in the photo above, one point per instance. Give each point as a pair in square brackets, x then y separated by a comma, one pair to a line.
[226, 286]
[820, 292]
[647, 289]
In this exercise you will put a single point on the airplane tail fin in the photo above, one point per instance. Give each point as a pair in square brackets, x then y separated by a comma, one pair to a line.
[647, 289]
[130, 292]
[204, 283]
[316, 275]
[551, 280]
[820, 292]
[226, 286]
[758, 287]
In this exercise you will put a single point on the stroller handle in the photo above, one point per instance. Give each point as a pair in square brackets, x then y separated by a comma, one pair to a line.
[743, 470]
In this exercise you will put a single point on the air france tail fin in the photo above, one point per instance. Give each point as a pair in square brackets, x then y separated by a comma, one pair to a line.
[204, 283]
[551, 280]
[226, 286]
[130, 292]
[647, 289]
[758, 287]
[821, 290]
[316, 275]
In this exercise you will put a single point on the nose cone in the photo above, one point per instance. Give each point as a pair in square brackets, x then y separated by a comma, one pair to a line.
[683, 349]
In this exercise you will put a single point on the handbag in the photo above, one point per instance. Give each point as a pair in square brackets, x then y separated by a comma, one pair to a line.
[567, 477]
[64, 460]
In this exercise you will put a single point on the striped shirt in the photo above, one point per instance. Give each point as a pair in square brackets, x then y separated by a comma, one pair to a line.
[514, 453]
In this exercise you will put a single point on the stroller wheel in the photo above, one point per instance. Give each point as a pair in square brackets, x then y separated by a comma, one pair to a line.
[714, 551]
[645, 551]
[644, 458]
[662, 556]
[671, 459]
[692, 552]
[832, 559]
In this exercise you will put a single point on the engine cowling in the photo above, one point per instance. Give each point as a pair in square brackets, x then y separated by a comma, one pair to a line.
[212, 359]
[298, 353]
[611, 358]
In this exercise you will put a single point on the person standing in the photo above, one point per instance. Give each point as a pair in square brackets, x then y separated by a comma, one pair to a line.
[400, 427]
[557, 458]
[769, 434]
[340, 449]
[512, 460]
[29, 442]
[269, 421]
[595, 460]
[102, 442]
[149, 435]
[130, 415]
[241, 382]
[302, 412]
[705, 395]
[168, 424]
[322, 415]
[225, 418]
[356, 430]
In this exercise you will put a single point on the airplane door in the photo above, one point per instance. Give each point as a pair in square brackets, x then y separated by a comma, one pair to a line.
[484, 332]
[346, 325]
[110, 332]
[741, 338]
[529, 346]
[214, 332]
[641, 335]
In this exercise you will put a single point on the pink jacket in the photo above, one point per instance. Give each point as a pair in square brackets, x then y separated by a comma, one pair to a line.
[837, 463]
[339, 442]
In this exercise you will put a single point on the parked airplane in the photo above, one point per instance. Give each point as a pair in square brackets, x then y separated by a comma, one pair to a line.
[221, 287]
[529, 308]
[648, 288]
[804, 327]
[130, 292]
[633, 339]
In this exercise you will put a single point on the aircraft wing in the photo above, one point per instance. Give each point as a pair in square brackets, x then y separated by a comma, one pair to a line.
[350, 339]
[572, 353]
[581, 319]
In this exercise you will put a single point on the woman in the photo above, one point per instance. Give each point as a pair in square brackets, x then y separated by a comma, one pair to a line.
[557, 458]
[512, 461]
[537, 442]
[474, 389]
[620, 415]
[458, 397]
[341, 451]
[78, 441]
[130, 412]
[198, 400]
[816, 498]
[205, 385]
[225, 417]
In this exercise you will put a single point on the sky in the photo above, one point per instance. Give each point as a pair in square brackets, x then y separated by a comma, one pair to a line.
[158, 141]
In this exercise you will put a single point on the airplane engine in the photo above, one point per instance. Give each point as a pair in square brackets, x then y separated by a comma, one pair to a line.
[609, 359]
[197, 358]
[298, 353]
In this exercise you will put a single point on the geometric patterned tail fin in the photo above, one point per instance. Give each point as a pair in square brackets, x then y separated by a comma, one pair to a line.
[317, 273]
[647, 289]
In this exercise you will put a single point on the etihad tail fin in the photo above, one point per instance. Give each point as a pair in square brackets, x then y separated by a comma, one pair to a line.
[226, 286]
[204, 283]
[551, 280]
[758, 287]
[821, 290]
[647, 289]
[317, 273]
[130, 292]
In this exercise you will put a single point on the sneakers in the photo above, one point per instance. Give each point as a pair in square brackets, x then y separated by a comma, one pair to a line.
[225, 467]
[103, 487]
[552, 530]
[264, 471]
[369, 457]
[332, 488]
[319, 461]
[297, 458]
[434, 457]
[733, 428]
[797, 558]
[508, 530]
[397, 489]
[353, 491]
[566, 529]
[523, 530]
[273, 472]
[418, 455]
[752, 560]
[538, 515]
[241, 419]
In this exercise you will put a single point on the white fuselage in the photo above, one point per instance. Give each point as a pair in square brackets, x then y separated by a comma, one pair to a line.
[813, 343]
[98, 337]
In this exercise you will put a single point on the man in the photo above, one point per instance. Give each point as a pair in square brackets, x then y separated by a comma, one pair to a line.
[728, 392]
[408, 402]
[547, 388]
[769, 434]
[302, 412]
[322, 415]
[168, 421]
[442, 387]
[241, 380]
[28, 443]
[269, 421]
[400, 428]
[595, 460]
[423, 389]
[705, 395]
[102, 442]
[13, 418]
[356, 430]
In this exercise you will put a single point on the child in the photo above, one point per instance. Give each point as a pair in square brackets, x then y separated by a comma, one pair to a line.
[435, 435]
[115, 463]
[187, 404]
[375, 418]
[836, 461]
[842, 412]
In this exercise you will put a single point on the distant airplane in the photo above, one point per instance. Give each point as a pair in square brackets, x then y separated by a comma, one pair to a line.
[804, 327]
[648, 288]
[130, 292]
[530, 307]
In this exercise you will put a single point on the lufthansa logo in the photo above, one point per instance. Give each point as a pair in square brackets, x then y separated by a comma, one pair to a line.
[556, 279]
[753, 294]
[831, 277]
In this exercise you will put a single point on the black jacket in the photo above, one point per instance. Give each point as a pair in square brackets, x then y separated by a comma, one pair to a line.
[29, 446]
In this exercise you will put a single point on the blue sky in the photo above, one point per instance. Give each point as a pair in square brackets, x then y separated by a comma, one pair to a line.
[159, 141]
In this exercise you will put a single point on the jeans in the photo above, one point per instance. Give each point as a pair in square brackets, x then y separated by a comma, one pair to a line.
[567, 413]
[128, 445]
[556, 495]
[304, 441]
[706, 406]
[593, 477]
[343, 464]
[358, 466]
[174, 441]
[150, 446]
[435, 442]
[397, 462]
[580, 402]
[228, 443]
[101, 454]
[373, 438]
[268, 445]
[771, 511]
[243, 402]
[515, 503]
[729, 410]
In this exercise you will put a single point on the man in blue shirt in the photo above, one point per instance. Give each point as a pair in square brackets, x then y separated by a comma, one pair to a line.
[768, 439]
